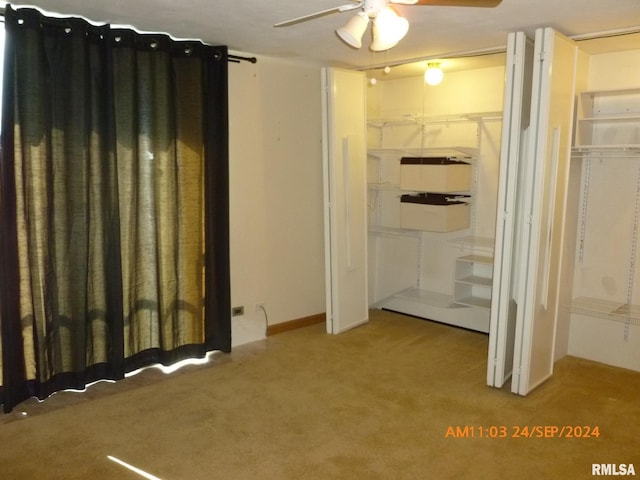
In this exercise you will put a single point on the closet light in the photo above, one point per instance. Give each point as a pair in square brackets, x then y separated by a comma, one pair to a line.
[433, 75]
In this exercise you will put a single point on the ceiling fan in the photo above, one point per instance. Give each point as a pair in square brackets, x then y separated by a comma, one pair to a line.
[388, 27]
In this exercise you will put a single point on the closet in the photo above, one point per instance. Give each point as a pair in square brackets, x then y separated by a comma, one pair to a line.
[605, 303]
[567, 228]
[532, 230]
[432, 179]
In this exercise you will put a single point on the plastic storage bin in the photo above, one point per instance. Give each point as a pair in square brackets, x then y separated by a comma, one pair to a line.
[435, 174]
[433, 212]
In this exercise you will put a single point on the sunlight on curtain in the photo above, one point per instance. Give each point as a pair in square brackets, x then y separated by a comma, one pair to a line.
[162, 250]
[114, 195]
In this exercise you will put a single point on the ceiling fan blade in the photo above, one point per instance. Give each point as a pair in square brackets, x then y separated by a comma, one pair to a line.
[311, 16]
[458, 3]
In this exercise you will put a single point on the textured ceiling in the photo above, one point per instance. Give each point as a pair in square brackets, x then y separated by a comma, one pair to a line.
[247, 25]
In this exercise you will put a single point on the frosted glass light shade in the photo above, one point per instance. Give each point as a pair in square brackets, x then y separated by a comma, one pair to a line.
[352, 32]
[388, 29]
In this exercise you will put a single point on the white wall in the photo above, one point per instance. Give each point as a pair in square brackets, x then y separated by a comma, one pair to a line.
[277, 249]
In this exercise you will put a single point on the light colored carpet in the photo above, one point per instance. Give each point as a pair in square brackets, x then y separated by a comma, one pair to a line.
[373, 403]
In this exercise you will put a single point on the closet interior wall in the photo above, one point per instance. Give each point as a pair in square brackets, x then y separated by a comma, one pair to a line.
[599, 315]
[461, 117]
[604, 199]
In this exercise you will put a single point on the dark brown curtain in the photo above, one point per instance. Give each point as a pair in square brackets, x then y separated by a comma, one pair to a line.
[113, 203]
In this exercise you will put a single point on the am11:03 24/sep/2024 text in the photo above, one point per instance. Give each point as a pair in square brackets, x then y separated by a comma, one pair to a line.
[525, 431]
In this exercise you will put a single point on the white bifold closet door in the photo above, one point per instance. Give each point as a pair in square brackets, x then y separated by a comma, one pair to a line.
[515, 122]
[345, 193]
[529, 232]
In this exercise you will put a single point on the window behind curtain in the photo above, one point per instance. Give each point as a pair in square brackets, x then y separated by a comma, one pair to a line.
[113, 203]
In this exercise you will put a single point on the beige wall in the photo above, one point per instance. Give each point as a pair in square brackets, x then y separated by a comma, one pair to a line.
[614, 70]
[479, 90]
[277, 249]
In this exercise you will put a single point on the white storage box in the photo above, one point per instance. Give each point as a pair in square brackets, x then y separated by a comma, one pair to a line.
[434, 212]
[435, 174]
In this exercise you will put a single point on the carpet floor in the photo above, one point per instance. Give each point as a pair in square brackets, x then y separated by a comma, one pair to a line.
[398, 398]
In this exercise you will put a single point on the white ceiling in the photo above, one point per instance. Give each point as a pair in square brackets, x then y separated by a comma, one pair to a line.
[247, 25]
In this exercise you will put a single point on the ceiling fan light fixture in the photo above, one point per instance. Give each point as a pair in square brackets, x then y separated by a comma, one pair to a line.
[388, 29]
[353, 31]
[433, 74]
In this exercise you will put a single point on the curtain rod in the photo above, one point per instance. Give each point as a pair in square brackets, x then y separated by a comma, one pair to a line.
[237, 59]
[230, 58]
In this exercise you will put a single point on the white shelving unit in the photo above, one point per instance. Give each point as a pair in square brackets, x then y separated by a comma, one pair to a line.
[454, 137]
[406, 136]
[608, 132]
[608, 121]
[482, 245]
[473, 280]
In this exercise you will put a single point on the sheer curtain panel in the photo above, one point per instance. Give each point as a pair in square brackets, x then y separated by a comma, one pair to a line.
[114, 205]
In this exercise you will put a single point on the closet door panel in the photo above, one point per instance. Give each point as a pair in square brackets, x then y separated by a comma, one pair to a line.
[546, 167]
[517, 103]
[345, 181]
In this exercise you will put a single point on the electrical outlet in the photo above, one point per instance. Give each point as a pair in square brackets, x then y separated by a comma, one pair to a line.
[259, 306]
[237, 311]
